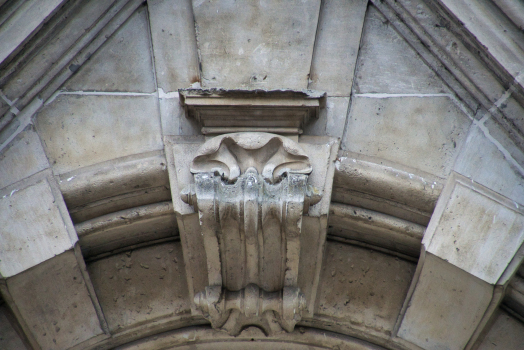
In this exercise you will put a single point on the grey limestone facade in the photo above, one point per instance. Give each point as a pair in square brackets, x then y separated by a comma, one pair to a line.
[264, 174]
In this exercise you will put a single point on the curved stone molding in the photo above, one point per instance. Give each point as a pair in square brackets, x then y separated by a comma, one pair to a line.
[232, 154]
[260, 219]
[252, 306]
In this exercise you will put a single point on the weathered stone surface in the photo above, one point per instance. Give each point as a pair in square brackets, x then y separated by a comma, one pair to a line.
[265, 45]
[362, 287]
[506, 333]
[174, 118]
[141, 285]
[220, 111]
[387, 64]
[331, 120]
[33, 229]
[9, 338]
[492, 30]
[23, 23]
[514, 114]
[174, 43]
[446, 307]
[493, 167]
[419, 132]
[79, 130]
[48, 57]
[251, 191]
[396, 185]
[336, 45]
[375, 228]
[126, 228]
[201, 338]
[114, 178]
[54, 302]
[123, 63]
[475, 230]
[22, 157]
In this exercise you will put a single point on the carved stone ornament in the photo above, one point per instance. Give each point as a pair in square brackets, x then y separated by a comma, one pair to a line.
[248, 258]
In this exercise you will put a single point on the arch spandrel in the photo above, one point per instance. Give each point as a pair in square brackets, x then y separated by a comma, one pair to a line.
[412, 109]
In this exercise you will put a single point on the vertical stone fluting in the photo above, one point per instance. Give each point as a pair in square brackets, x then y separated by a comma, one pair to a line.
[251, 232]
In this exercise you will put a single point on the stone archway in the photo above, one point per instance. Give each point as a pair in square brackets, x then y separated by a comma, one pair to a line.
[408, 121]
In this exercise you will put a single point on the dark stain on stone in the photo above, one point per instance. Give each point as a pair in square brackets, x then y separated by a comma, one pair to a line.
[74, 67]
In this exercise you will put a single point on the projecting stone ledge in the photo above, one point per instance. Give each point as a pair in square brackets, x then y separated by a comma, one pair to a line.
[277, 111]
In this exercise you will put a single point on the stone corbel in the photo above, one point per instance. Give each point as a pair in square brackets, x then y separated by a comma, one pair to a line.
[252, 211]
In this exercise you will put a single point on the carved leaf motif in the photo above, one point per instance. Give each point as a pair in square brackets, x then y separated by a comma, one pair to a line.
[271, 155]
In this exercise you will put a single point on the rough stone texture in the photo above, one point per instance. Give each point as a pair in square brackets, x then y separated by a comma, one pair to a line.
[514, 113]
[19, 27]
[388, 64]
[331, 120]
[54, 302]
[80, 130]
[506, 333]
[336, 45]
[492, 30]
[126, 228]
[9, 338]
[251, 338]
[392, 128]
[174, 43]
[22, 157]
[33, 229]
[406, 150]
[377, 229]
[362, 287]
[255, 44]
[123, 63]
[141, 285]
[115, 185]
[446, 306]
[48, 57]
[475, 230]
[491, 167]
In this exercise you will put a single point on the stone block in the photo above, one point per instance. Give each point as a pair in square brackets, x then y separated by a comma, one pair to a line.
[33, 228]
[475, 229]
[331, 120]
[514, 114]
[123, 63]
[424, 133]
[174, 43]
[174, 119]
[336, 46]
[21, 25]
[388, 64]
[362, 287]
[81, 130]
[9, 338]
[506, 333]
[266, 45]
[47, 58]
[54, 301]
[446, 307]
[22, 157]
[500, 165]
[124, 285]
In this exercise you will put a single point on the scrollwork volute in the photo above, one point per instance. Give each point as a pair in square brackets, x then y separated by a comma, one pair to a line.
[271, 155]
[251, 192]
